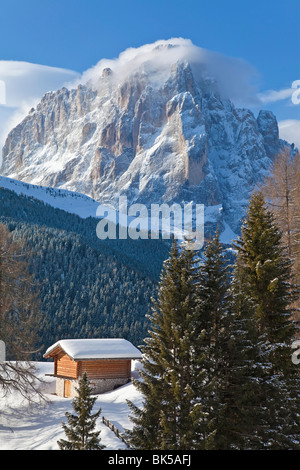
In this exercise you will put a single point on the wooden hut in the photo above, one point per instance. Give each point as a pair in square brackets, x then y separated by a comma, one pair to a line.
[107, 363]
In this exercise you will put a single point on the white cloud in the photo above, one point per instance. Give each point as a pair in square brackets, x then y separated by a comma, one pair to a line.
[272, 96]
[24, 85]
[235, 77]
[289, 130]
[25, 81]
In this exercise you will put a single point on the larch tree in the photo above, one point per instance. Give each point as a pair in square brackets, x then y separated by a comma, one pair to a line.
[281, 191]
[19, 315]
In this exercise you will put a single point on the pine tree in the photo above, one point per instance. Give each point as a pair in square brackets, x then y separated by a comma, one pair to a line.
[242, 398]
[263, 260]
[80, 429]
[265, 270]
[226, 338]
[211, 335]
[171, 412]
[224, 334]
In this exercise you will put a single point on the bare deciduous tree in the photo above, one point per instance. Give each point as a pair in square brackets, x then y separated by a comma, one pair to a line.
[19, 310]
[282, 192]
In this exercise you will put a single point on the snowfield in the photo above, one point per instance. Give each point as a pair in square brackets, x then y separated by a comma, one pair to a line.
[65, 200]
[38, 426]
[84, 206]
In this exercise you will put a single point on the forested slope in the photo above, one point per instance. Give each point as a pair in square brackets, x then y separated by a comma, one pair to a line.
[88, 287]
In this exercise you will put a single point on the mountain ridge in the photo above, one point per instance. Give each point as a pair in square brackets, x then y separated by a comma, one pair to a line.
[162, 134]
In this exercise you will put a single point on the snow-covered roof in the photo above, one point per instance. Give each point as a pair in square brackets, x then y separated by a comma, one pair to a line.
[96, 348]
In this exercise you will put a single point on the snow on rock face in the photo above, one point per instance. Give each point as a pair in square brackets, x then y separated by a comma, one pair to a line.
[153, 137]
[268, 127]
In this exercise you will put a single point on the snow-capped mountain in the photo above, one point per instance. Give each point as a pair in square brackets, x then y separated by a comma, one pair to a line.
[161, 132]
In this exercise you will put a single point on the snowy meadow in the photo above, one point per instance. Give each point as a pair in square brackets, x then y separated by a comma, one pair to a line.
[38, 425]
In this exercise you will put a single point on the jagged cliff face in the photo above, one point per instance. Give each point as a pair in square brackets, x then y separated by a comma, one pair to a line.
[173, 139]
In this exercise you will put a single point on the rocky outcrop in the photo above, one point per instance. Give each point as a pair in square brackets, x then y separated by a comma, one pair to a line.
[169, 140]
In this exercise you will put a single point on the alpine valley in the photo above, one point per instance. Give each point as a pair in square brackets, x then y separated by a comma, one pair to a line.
[155, 126]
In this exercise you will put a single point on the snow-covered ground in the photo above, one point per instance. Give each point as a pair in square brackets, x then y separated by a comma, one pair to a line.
[39, 426]
[75, 203]
[84, 206]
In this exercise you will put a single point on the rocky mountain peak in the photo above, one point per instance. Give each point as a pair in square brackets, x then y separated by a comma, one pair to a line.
[159, 133]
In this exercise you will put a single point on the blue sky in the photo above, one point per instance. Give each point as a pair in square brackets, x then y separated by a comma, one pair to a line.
[75, 34]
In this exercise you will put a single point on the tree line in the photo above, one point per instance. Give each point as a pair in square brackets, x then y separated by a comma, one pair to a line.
[217, 370]
[83, 293]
